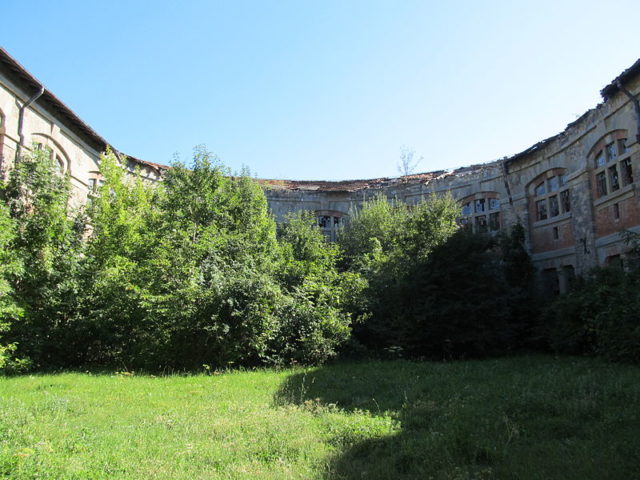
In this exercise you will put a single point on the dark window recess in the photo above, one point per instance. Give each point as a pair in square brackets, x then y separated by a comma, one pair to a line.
[613, 178]
[556, 235]
[541, 210]
[480, 205]
[622, 146]
[616, 211]
[551, 281]
[565, 200]
[615, 261]
[481, 223]
[627, 172]
[554, 208]
[324, 221]
[601, 182]
[494, 222]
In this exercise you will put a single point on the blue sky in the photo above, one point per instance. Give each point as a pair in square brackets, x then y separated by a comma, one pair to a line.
[324, 89]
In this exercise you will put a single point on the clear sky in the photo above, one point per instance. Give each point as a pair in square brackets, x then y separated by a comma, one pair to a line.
[329, 89]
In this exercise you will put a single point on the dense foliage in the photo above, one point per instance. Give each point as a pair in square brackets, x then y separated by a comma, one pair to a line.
[191, 271]
[435, 290]
[181, 274]
[599, 317]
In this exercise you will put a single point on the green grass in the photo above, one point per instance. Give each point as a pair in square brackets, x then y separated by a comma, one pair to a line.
[519, 418]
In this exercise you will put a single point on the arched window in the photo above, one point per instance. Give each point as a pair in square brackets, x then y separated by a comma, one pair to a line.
[611, 160]
[550, 195]
[481, 212]
[57, 155]
[329, 222]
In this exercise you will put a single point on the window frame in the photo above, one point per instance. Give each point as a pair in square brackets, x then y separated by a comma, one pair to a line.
[481, 212]
[550, 195]
[612, 166]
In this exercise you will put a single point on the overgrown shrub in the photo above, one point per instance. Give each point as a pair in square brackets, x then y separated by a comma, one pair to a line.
[46, 250]
[601, 316]
[435, 290]
[459, 302]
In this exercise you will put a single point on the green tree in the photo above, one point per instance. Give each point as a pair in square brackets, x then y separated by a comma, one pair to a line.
[9, 267]
[317, 314]
[48, 246]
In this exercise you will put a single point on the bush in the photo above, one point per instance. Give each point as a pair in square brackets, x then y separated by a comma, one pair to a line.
[601, 316]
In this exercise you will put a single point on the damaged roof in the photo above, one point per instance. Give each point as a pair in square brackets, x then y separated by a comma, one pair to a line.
[55, 106]
[357, 185]
[348, 185]
[52, 104]
[608, 91]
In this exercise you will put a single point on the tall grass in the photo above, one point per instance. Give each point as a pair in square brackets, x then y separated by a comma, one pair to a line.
[520, 418]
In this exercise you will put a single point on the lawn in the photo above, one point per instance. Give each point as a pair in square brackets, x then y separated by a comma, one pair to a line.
[523, 418]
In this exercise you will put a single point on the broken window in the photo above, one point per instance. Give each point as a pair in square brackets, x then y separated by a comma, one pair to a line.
[622, 146]
[494, 222]
[612, 152]
[615, 261]
[474, 213]
[627, 173]
[541, 210]
[613, 178]
[565, 200]
[601, 184]
[554, 208]
[324, 221]
[481, 223]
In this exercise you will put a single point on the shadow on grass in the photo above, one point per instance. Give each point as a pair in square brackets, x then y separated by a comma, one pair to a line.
[524, 418]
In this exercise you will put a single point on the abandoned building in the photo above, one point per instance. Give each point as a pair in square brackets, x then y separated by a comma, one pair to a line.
[574, 192]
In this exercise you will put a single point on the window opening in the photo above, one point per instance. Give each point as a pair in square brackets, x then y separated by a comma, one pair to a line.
[614, 168]
[627, 174]
[613, 178]
[494, 222]
[474, 214]
[601, 182]
[565, 201]
[541, 209]
[553, 197]
[554, 207]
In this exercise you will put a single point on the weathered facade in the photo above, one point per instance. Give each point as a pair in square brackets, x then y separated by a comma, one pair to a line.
[573, 192]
